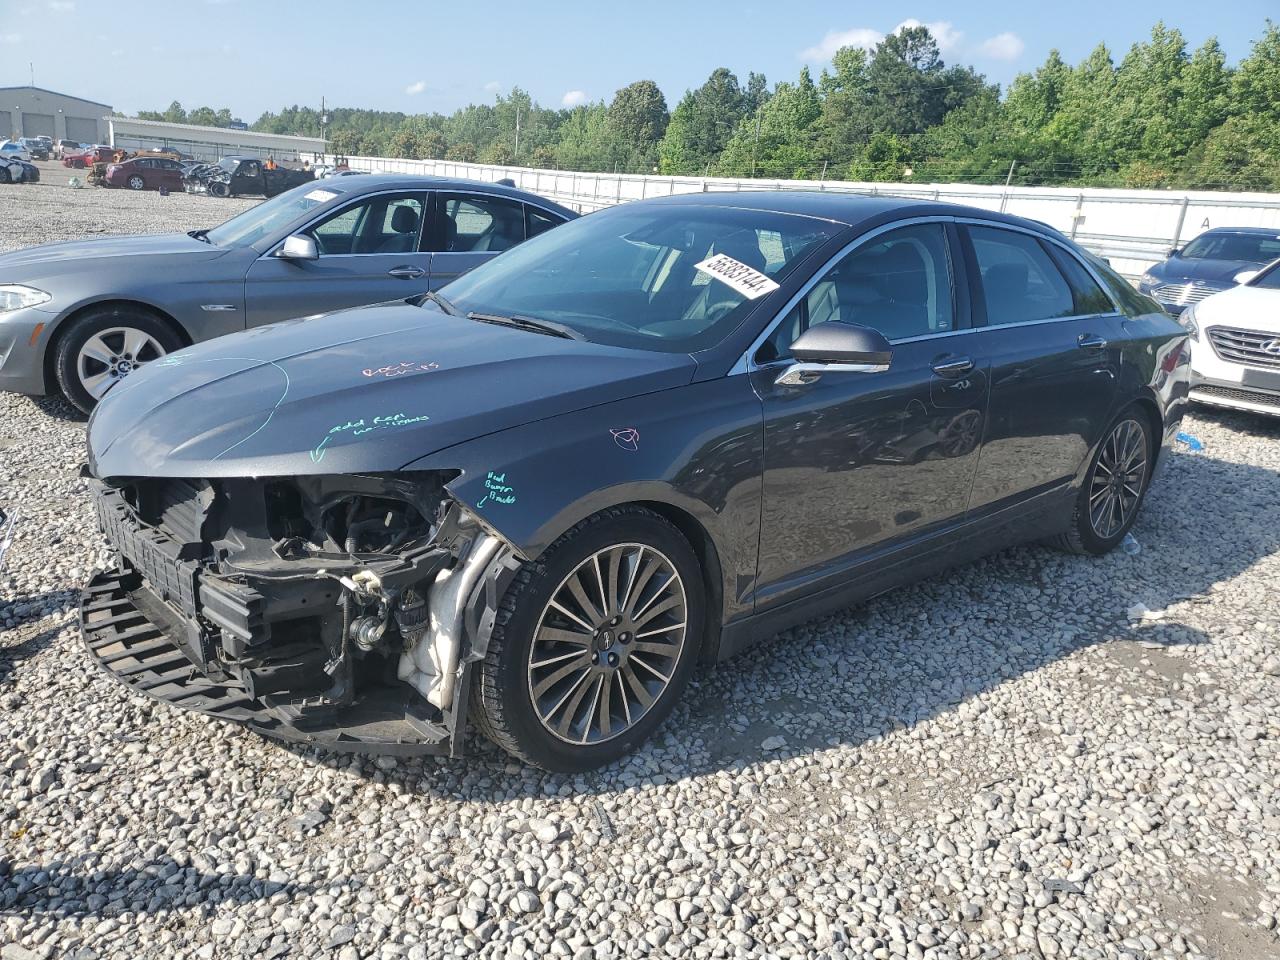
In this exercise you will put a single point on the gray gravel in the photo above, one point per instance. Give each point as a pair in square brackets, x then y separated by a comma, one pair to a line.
[999, 763]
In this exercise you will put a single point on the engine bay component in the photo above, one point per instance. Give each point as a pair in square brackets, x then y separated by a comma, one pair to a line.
[331, 610]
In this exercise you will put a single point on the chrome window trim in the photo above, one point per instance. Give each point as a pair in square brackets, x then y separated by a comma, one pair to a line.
[746, 363]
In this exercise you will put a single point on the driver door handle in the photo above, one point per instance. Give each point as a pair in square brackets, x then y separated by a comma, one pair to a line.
[1088, 341]
[952, 366]
[406, 273]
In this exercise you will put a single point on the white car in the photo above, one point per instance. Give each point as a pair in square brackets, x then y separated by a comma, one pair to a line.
[14, 150]
[1235, 345]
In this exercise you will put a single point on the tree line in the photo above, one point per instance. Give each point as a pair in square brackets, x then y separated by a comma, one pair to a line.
[1164, 116]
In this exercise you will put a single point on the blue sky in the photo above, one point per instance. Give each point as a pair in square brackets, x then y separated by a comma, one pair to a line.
[418, 57]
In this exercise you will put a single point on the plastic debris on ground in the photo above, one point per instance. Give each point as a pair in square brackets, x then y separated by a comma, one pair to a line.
[1130, 545]
[1193, 443]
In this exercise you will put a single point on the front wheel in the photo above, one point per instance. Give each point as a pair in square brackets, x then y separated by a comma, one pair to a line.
[136, 183]
[104, 346]
[594, 643]
[1114, 488]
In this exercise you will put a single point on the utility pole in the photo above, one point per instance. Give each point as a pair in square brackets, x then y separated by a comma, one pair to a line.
[324, 127]
[517, 152]
[1009, 178]
[32, 67]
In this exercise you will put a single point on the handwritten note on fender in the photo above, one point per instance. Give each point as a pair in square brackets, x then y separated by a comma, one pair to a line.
[748, 281]
[497, 490]
[356, 428]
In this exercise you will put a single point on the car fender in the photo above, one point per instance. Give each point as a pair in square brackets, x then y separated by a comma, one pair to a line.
[696, 449]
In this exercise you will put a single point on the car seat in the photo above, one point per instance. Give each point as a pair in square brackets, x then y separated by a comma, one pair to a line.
[404, 223]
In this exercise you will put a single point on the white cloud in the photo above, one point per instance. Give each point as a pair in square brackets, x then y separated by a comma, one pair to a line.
[117, 52]
[824, 50]
[62, 6]
[943, 32]
[10, 38]
[416, 87]
[1003, 46]
[573, 98]
[493, 86]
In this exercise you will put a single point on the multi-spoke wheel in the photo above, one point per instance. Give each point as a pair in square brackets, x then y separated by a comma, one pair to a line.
[594, 642]
[1114, 487]
[102, 347]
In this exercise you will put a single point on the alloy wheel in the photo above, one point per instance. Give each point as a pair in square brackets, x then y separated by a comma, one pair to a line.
[1118, 478]
[136, 183]
[607, 643]
[110, 355]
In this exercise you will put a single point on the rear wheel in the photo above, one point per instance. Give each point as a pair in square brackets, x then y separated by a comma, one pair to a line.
[104, 346]
[1114, 488]
[4, 175]
[594, 643]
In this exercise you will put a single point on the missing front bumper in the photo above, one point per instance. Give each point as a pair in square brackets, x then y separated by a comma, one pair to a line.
[133, 636]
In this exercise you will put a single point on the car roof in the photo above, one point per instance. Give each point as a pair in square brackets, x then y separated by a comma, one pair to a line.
[1249, 231]
[374, 182]
[851, 209]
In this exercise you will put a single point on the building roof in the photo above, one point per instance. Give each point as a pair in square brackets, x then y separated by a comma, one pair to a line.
[70, 96]
[224, 131]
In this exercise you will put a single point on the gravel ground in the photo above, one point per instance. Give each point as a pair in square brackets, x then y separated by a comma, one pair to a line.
[1013, 760]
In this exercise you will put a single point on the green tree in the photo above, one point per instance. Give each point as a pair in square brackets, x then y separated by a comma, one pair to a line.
[702, 123]
[175, 113]
[637, 121]
[779, 140]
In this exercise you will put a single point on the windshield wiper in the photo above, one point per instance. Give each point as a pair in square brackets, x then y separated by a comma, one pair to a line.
[200, 235]
[547, 327]
[440, 302]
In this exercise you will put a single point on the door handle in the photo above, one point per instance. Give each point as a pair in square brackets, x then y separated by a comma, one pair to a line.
[1088, 341]
[952, 366]
[406, 273]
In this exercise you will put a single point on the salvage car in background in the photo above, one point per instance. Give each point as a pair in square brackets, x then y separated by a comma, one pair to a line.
[241, 177]
[1214, 261]
[1235, 345]
[13, 170]
[651, 436]
[78, 317]
[13, 150]
[145, 173]
[36, 147]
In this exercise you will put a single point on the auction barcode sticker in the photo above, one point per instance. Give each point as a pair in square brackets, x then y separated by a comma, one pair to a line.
[321, 196]
[749, 282]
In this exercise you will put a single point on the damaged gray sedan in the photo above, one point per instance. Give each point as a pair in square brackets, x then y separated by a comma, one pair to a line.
[649, 437]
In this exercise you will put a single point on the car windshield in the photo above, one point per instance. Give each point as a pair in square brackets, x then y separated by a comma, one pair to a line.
[1248, 247]
[675, 278]
[269, 216]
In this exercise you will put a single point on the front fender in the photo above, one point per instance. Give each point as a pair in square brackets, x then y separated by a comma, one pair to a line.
[697, 449]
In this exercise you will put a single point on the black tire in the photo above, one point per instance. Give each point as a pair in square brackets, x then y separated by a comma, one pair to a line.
[1083, 537]
[503, 701]
[135, 182]
[87, 325]
[4, 175]
[219, 189]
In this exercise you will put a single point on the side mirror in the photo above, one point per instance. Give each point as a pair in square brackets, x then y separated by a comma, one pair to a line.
[1174, 251]
[837, 348]
[1244, 276]
[299, 247]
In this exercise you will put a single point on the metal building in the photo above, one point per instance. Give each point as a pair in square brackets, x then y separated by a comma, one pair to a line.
[36, 112]
[210, 143]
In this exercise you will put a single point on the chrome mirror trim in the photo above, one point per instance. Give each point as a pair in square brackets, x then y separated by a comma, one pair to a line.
[798, 374]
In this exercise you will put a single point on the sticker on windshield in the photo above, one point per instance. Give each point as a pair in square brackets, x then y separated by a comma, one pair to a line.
[321, 196]
[749, 282]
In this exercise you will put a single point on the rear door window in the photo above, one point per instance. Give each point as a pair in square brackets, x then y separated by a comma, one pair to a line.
[473, 223]
[1020, 283]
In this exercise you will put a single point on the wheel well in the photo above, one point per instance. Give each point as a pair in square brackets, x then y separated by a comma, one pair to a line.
[51, 352]
[1152, 412]
[708, 562]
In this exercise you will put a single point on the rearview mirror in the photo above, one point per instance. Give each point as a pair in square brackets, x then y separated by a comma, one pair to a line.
[838, 348]
[299, 247]
[1244, 276]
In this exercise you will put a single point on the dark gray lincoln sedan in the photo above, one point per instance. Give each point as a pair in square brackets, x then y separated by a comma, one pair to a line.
[78, 317]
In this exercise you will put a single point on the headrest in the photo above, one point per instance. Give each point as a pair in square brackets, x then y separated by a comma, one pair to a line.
[404, 219]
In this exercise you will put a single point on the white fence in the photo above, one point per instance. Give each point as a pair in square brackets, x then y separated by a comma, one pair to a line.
[1131, 228]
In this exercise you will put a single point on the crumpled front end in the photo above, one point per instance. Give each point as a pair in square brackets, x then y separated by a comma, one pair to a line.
[343, 611]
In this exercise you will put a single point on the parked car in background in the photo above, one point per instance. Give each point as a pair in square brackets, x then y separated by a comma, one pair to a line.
[1210, 263]
[1235, 345]
[145, 173]
[14, 150]
[243, 176]
[88, 156]
[648, 438]
[36, 147]
[13, 170]
[64, 148]
[79, 317]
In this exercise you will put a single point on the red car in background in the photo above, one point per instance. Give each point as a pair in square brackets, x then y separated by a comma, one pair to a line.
[145, 173]
[87, 157]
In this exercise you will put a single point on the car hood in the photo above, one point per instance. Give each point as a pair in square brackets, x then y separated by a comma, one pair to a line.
[1178, 270]
[67, 256]
[1252, 308]
[369, 389]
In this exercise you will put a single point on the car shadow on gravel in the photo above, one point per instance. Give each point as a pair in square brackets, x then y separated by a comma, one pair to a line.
[82, 887]
[59, 409]
[12, 654]
[873, 669]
